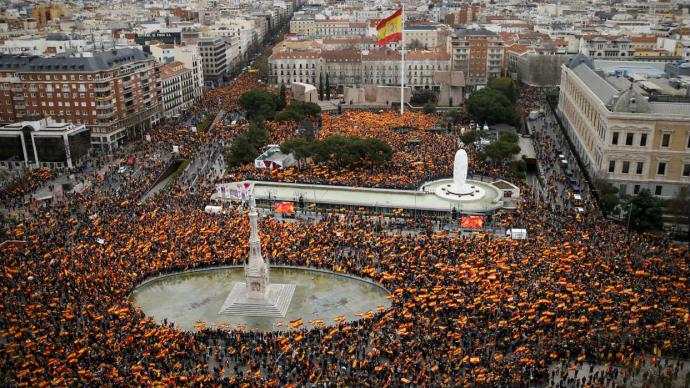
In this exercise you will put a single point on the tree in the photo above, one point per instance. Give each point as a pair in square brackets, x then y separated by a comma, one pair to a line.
[245, 147]
[310, 109]
[506, 86]
[469, 137]
[429, 108]
[490, 105]
[321, 87]
[501, 150]
[645, 211]
[608, 196]
[241, 151]
[510, 137]
[339, 150]
[328, 88]
[423, 96]
[288, 115]
[282, 98]
[259, 104]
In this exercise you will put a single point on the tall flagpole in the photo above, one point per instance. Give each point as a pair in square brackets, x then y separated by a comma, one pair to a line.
[402, 67]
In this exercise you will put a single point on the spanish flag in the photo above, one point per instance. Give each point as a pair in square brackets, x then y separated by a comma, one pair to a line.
[390, 28]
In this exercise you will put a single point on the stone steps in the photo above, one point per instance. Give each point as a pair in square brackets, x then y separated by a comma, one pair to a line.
[274, 306]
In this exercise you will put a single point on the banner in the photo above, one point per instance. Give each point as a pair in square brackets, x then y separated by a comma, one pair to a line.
[285, 208]
[472, 222]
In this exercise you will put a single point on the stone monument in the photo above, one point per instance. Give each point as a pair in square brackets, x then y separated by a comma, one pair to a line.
[257, 297]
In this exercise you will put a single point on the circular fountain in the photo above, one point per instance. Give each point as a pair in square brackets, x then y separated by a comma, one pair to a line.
[229, 298]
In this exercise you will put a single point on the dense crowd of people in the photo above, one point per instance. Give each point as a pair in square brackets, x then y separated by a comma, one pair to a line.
[466, 311]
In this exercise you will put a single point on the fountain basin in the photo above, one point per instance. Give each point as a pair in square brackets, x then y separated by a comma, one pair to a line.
[190, 297]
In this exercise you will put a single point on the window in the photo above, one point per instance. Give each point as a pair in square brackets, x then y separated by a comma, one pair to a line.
[661, 169]
[636, 189]
[658, 189]
[643, 140]
[640, 167]
[688, 142]
[612, 166]
[686, 169]
[665, 139]
[614, 140]
[626, 167]
[629, 139]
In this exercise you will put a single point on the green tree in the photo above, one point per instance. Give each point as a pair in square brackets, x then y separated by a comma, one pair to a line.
[423, 96]
[506, 86]
[490, 105]
[310, 109]
[377, 151]
[282, 98]
[245, 147]
[429, 108]
[501, 150]
[509, 137]
[645, 211]
[469, 137]
[259, 104]
[288, 115]
[241, 151]
[608, 196]
[328, 88]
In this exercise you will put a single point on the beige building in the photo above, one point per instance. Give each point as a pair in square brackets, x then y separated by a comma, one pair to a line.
[624, 135]
[303, 27]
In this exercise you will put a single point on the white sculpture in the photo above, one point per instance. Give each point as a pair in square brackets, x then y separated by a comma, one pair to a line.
[460, 185]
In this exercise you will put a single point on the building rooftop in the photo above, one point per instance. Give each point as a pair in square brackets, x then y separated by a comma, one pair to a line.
[98, 61]
[633, 92]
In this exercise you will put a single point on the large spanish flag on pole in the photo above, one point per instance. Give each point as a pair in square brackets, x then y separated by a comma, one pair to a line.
[390, 28]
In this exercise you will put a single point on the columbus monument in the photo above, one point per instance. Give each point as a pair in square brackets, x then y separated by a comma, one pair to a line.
[257, 297]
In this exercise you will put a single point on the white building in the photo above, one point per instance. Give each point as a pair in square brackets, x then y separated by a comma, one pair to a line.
[189, 56]
[177, 88]
[214, 59]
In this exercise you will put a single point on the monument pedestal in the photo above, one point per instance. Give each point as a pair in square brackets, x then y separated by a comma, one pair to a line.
[274, 305]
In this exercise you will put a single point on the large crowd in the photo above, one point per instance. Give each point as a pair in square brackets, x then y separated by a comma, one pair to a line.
[466, 311]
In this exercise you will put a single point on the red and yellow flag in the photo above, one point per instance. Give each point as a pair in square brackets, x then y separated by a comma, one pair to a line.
[390, 28]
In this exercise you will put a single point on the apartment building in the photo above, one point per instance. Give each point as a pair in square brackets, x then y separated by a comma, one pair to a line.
[623, 134]
[296, 66]
[213, 60]
[426, 37]
[303, 27]
[596, 46]
[187, 54]
[478, 53]
[177, 88]
[114, 93]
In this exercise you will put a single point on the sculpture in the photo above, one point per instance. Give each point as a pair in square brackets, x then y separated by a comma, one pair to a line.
[460, 185]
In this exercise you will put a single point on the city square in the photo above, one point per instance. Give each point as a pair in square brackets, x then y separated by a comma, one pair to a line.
[277, 231]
